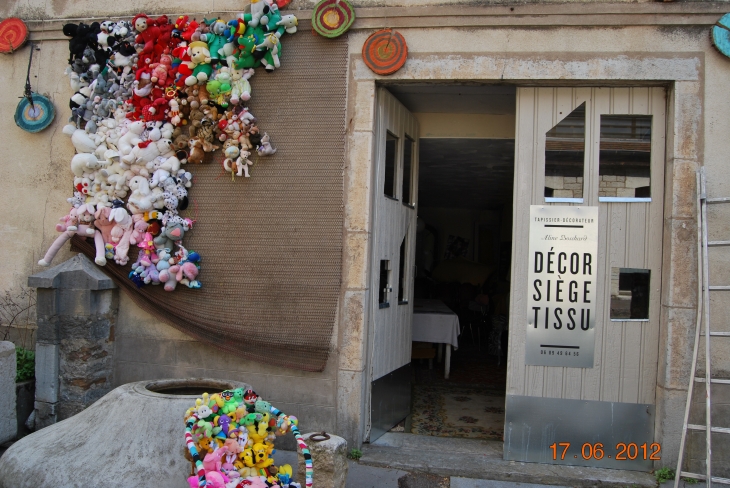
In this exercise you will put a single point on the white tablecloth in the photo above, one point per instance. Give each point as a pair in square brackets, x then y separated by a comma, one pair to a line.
[433, 321]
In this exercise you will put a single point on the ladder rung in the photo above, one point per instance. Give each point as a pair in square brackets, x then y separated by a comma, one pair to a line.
[718, 243]
[718, 200]
[697, 476]
[713, 380]
[719, 287]
[719, 430]
[720, 334]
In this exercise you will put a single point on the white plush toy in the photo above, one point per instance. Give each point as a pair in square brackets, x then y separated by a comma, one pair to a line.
[289, 22]
[141, 194]
[133, 137]
[84, 164]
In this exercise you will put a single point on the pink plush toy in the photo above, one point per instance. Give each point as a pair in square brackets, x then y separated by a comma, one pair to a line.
[147, 255]
[139, 228]
[80, 221]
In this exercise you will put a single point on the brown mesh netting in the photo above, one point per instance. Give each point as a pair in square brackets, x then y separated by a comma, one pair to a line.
[271, 245]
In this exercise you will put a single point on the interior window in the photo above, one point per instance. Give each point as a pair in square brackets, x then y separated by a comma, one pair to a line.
[407, 177]
[630, 294]
[402, 290]
[384, 285]
[391, 144]
[625, 158]
[564, 157]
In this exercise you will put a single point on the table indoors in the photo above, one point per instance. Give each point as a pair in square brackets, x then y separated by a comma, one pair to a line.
[434, 322]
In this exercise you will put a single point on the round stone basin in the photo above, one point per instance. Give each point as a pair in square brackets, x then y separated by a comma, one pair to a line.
[133, 436]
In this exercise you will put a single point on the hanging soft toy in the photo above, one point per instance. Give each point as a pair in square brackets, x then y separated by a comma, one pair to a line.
[79, 221]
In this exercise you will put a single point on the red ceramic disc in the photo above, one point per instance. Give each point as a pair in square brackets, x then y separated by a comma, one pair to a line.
[385, 52]
[13, 34]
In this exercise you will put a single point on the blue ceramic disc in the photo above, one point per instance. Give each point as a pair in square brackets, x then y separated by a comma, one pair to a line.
[720, 35]
[37, 117]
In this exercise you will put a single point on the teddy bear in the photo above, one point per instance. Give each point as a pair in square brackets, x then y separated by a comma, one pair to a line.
[237, 161]
[199, 63]
[139, 228]
[240, 86]
[82, 35]
[129, 140]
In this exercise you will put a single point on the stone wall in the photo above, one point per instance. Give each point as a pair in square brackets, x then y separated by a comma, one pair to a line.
[608, 186]
[77, 308]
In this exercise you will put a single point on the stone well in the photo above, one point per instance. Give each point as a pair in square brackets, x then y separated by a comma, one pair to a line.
[133, 436]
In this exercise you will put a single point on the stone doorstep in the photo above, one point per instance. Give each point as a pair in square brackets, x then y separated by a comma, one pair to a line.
[476, 459]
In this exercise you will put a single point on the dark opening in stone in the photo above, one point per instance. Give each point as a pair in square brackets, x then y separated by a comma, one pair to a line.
[190, 387]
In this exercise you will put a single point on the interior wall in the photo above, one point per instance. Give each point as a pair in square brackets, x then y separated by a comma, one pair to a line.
[466, 126]
[459, 222]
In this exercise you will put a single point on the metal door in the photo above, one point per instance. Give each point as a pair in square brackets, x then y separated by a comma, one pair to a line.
[629, 239]
[393, 253]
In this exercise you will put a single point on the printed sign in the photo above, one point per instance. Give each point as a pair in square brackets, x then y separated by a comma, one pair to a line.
[561, 293]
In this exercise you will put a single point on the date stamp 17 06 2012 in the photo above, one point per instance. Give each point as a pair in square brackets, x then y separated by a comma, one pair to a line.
[623, 451]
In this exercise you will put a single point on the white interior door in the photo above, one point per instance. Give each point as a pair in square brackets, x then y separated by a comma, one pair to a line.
[394, 230]
[393, 254]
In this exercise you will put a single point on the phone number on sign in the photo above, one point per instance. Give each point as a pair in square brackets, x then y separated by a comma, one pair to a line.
[630, 451]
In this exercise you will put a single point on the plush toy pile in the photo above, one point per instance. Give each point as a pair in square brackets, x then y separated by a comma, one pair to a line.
[152, 95]
[230, 439]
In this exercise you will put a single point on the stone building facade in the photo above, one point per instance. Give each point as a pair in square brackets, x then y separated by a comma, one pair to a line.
[535, 44]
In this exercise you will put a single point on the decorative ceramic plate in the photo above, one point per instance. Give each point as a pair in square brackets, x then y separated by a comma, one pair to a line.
[13, 34]
[332, 18]
[37, 117]
[385, 52]
[720, 35]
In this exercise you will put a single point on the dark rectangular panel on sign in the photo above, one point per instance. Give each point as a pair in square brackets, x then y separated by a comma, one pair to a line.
[580, 433]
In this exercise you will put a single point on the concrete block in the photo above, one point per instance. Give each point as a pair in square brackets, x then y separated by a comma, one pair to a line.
[46, 372]
[636, 181]
[608, 178]
[358, 179]
[352, 340]
[356, 260]
[680, 264]
[364, 109]
[329, 460]
[350, 406]
[555, 182]
[8, 419]
[668, 429]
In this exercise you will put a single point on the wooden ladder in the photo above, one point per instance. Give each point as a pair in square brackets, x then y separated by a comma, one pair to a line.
[703, 312]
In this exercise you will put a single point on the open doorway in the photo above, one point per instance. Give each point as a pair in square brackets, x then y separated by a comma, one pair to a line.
[462, 258]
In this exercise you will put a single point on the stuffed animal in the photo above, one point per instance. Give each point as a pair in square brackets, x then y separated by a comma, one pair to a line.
[265, 148]
[79, 221]
[121, 233]
[148, 35]
[240, 86]
[199, 63]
